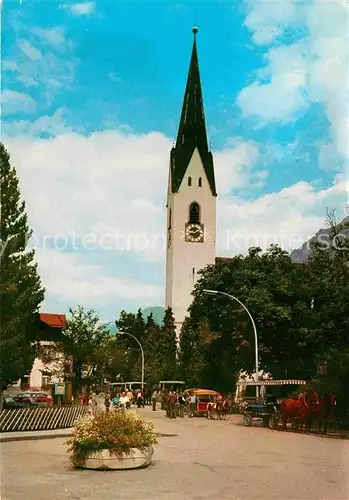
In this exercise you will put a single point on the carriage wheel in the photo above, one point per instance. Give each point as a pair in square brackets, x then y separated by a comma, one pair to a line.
[247, 420]
[272, 422]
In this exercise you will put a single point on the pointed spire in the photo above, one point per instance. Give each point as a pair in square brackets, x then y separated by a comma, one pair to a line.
[192, 127]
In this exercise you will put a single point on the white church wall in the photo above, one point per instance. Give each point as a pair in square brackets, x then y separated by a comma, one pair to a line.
[184, 257]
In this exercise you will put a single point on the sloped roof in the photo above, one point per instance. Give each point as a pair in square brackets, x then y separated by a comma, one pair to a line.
[54, 320]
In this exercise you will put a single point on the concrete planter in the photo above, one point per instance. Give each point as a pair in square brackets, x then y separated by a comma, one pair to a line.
[136, 459]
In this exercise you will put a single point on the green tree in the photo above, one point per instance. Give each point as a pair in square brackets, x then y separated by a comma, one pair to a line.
[328, 271]
[328, 274]
[151, 345]
[276, 294]
[167, 351]
[21, 291]
[83, 348]
[133, 324]
[112, 362]
[193, 353]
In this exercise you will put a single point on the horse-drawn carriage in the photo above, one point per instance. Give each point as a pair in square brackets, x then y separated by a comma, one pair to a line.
[286, 401]
[265, 408]
[203, 398]
[210, 403]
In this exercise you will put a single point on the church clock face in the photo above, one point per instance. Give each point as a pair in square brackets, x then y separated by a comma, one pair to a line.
[194, 233]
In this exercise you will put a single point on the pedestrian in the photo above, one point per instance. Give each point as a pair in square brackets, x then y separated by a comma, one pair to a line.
[173, 404]
[139, 399]
[116, 401]
[129, 394]
[124, 401]
[84, 399]
[93, 405]
[181, 402]
[192, 405]
[154, 399]
[187, 404]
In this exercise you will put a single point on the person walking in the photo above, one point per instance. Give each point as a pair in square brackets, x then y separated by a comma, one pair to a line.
[140, 399]
[173, 404]
[154, 399]
[192, 403]
[181, 402]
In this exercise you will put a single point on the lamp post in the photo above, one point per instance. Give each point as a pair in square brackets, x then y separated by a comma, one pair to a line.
[232, 297]
[142, 353]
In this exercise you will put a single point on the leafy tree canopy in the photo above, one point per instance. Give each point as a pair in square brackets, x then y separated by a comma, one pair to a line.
[21, 291]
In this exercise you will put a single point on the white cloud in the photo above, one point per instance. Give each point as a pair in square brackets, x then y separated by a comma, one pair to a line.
[52, 67]
[267, 21]
[234, 166]
[112, 185]
[311, 68]
[288, 217]
[64, 275]
[53, 36]
[16, 102]
[31, 52]
[82, 8]
[48, 125]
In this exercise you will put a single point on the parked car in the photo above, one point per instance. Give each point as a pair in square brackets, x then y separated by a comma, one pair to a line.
[11, 403]
[34, 398]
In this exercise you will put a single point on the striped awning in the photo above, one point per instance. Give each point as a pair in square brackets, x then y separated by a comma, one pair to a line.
[272, 382]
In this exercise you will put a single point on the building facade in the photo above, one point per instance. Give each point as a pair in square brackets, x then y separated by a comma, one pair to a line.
[43, 375]
[191, 199]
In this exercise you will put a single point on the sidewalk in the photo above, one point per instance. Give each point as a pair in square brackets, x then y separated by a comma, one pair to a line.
[6, 437]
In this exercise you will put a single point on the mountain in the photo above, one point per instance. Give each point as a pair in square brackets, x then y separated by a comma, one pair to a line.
[158, 313]
[323, 235]
[112, 330]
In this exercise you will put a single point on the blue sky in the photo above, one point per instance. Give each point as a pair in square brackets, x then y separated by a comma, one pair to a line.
[92, 94]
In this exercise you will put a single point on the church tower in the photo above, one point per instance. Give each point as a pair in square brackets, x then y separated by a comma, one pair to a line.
[191, 200]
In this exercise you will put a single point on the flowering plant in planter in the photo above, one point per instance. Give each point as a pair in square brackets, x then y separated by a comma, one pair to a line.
[119, 432]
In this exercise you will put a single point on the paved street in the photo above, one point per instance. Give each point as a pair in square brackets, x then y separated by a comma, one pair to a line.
[201, 460]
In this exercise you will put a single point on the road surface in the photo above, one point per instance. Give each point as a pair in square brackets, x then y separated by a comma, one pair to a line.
[194, 459]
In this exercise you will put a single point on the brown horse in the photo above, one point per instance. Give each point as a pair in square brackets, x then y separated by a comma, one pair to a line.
[226, 406]
[321, 408]
[295, 410]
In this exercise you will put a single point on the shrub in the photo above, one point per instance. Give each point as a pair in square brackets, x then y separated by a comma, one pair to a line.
[116, 431]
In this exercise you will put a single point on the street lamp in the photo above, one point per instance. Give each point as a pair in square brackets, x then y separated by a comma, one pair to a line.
[232, 297]
[142, 352]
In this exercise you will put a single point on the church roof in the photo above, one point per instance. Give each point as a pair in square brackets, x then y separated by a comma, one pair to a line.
[192, 129]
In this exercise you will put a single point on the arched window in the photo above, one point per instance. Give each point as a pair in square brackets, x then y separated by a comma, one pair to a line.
[200, 182]
[189, 181]
[169, 219]
[194, 213]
